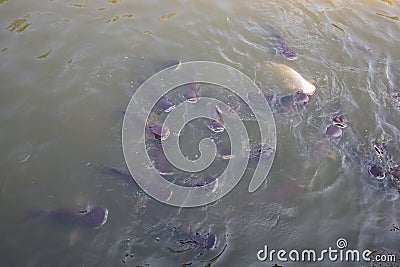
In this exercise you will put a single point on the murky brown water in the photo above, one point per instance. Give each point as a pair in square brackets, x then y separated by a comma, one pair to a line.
[68, 69]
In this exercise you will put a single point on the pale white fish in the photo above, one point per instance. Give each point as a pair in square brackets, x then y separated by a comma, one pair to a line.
[291, 78]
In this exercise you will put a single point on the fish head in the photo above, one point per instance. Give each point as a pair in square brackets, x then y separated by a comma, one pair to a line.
[165, 104]
[191, 94]
[261, 150]
[211, 241]
[289, 54]
[215, 126]
[380, 148]
[95, 217]
[334, 132]
[162, 165]
[301, 99]
[286, 101]
[159, 130]
[208, 183]
[377, 171]
[205, 239]
[340, 120]
[308, 88]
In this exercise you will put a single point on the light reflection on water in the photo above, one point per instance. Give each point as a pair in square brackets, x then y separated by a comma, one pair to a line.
[68, 69]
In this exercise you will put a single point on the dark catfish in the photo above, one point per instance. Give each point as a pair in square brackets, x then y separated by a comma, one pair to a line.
[286, 103]
[289, 103]
[158, 129]
[340, 121]
[280, 44]
[208, 182]
[284, 49]
[333, 134]
[162, 165]
[164, 104]
[191, 94]
[92, 217]
[188, 239]
[377, 171]
[216, 124]
[126, 176]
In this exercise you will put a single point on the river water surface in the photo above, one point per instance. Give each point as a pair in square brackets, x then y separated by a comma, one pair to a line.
[69, 68]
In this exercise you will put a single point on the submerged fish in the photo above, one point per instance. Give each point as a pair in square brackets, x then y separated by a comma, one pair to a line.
[333, 132]
[162, 165]
[290, 103]
[300, 99]
[340, 121]
[291, 78]
[126, 176]
[280, 44]
[380, 149]
[191, 94]
[92, 217]
[377, 171]
[284, 49]
[123, 175]
[208, 182]
[184, 240]
[165, 104]
[260, 150]
[216, 124]
[160, 131]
